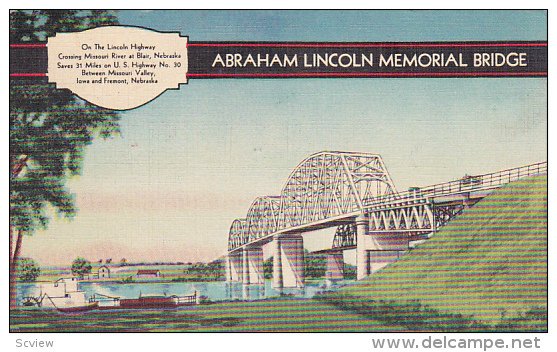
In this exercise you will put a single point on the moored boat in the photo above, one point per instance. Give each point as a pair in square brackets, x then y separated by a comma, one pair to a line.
[81, 308]
[149, 301]
[65, 296]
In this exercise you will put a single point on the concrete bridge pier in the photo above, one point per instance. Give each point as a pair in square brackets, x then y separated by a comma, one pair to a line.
[335, 266]
[234, 266]
[252, 270]
[374, 251]
[288, 261]
[363, 268]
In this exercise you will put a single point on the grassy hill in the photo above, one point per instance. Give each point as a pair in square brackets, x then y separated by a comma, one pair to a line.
[489, 264]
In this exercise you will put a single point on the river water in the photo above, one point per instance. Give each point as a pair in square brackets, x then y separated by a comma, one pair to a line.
[214, 291]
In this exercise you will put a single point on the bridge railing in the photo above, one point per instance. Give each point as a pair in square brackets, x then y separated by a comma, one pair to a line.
[465, 184]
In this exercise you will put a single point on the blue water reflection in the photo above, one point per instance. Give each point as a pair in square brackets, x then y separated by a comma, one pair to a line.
[214, 291]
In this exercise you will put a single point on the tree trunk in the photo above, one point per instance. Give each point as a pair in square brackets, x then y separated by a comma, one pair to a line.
[13, 268]
[13, 288]
[17, 249]
[15, 167]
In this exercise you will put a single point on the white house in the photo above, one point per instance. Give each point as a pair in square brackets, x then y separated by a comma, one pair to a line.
[103, 272]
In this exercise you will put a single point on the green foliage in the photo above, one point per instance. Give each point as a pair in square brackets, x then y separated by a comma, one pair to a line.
[205, 300]
[315, 266]
[49, 127]
[349, 272]
[28, 270]
[533, 319]
[276, 315]
[412, 315]
[81, 267]
[213, 271]
[268, 268]
[37, 25]
[127, 280]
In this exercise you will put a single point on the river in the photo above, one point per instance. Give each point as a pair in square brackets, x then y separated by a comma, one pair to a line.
[214, 291]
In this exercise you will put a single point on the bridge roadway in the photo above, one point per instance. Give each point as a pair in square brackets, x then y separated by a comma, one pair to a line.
[380, 226]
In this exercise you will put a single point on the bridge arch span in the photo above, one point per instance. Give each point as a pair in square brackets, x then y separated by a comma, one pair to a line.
[237, 235]
[262, 217]
[329, 184]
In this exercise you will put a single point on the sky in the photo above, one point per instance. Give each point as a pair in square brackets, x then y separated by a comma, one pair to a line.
[193, 160]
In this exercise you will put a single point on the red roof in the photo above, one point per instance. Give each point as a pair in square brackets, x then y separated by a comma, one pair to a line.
[147, 272]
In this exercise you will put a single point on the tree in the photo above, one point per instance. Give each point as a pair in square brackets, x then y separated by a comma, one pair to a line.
[268, 268]
[28, 270]
[49, 130]
[81, 267]
[213, 271]
[315, 266]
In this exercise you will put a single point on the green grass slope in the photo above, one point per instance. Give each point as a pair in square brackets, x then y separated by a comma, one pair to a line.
[272, 315]
[489, 263]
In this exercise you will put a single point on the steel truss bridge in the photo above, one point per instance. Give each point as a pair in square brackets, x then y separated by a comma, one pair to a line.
[330, 189]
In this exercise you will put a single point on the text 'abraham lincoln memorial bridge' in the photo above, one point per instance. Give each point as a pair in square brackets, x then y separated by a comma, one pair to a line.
[354, 193]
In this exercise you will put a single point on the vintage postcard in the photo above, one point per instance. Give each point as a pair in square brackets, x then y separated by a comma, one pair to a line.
[279, 171]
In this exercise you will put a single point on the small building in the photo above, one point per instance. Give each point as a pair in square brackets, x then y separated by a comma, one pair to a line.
[148, 273]
[103, 272]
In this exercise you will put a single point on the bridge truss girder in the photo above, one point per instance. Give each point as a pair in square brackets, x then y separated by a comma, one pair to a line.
[412, 217]
[415, 220]
[445, 213]
[345, 236]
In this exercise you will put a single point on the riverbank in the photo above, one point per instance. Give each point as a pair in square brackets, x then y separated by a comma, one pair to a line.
[140, 273]
[283, 314]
